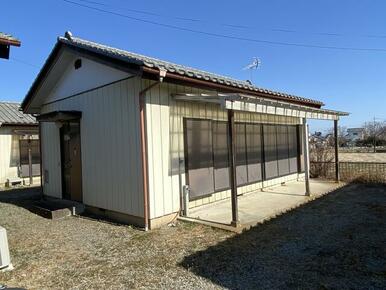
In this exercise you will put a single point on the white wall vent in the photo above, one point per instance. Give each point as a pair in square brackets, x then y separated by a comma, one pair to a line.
[5, 259]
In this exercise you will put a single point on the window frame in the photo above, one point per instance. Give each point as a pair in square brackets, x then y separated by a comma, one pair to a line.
[262, 152]
[29, 143]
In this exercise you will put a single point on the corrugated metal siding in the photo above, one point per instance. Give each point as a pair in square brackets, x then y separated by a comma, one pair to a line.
[166, 142]
[110, 144]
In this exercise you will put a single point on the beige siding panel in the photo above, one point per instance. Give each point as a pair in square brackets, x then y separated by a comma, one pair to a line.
[9, 155]
[165, 143]
[110, 144]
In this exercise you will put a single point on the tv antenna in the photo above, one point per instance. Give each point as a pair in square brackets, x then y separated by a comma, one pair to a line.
[255, 64]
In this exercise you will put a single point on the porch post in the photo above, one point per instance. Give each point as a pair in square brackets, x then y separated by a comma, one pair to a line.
[232, 167]
[30, 163]
[306, 157]
[336, 139]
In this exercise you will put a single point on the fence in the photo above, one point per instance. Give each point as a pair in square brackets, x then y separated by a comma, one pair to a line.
[379, 149]
[349, 171]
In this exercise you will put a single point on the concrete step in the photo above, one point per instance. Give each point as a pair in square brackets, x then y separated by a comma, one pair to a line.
[57, 208]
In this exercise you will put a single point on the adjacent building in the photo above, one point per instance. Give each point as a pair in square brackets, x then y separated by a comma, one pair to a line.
[19, 146]
[355, 134]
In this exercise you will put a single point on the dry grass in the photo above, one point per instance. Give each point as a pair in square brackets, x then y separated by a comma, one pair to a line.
[82, 253]
[362, 157]
[334, 242]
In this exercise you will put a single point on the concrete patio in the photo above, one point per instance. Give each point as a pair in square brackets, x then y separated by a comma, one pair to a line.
[257, 207]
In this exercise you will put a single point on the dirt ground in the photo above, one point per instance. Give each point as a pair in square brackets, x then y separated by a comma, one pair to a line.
[362, 157]
[335, 242]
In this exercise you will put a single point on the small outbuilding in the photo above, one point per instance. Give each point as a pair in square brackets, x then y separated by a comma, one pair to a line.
[19, 146]
[143, 140]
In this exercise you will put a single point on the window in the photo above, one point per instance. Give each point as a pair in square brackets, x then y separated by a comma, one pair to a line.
[270, 152]
[241, 155]
[293, 149]
[199, 157]
[254, 158]
[300, 147]
[220, 155]
[282, 149]
[25, 146]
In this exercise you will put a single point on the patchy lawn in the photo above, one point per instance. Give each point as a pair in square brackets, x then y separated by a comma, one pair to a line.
[338, 241]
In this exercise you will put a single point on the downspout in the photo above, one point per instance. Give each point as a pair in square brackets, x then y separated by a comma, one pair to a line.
[142, 117]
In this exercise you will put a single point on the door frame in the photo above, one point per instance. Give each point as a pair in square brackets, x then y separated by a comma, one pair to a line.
[64, 196]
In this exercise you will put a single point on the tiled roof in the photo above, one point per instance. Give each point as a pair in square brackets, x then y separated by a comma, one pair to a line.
[170, 67]
[5, 37]
[10, 115]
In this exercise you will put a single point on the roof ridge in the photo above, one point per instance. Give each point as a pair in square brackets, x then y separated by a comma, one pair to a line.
[61, 38]
[178, 68]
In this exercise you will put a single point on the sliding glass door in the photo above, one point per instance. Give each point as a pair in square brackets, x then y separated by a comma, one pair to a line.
[271, 168]
[199, 159]
[262, 152]
[220, 155]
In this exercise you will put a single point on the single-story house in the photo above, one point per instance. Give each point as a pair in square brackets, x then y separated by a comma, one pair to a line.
[140, 139]
[355, 134]
[19, 146]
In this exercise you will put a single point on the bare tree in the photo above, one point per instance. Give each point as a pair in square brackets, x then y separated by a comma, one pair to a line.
[321, 156]
[375, 132]
[342, 140]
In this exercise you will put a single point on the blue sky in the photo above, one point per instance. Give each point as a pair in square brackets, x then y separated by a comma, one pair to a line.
[344, 79]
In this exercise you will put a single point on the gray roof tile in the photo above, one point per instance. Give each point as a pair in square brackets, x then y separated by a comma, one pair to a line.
[10, 115]
[151, 62]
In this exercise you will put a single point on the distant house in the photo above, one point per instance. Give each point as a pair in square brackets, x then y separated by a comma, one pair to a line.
[18, 145]
[140, 139]
[355, 134]
[317, 140]
[6, 41]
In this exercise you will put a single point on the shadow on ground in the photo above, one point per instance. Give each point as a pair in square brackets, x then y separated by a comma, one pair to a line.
[22, 196]
[338, 241]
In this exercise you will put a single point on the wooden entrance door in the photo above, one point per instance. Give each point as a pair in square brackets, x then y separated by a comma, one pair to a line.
[71, 161]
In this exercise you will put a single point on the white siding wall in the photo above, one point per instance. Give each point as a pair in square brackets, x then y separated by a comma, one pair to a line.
[50, 145]
[89, 76]
[9, 154]
[166, 143]
[110, 145]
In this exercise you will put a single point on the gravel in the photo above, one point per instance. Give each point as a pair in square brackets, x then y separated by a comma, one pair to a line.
[337, 241]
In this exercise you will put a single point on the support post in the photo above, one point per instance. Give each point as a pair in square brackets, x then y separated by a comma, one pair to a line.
[30, 163]
[232, 167]
[306, 157]
[336, 139]
[186, 190]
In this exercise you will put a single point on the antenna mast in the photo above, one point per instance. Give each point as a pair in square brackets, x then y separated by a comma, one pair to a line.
[256, 63]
